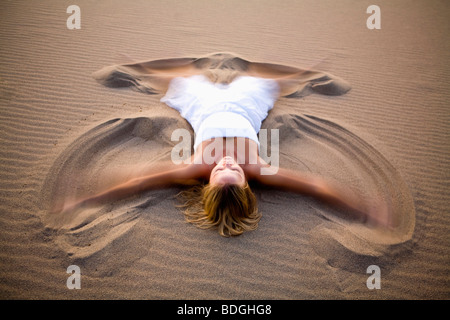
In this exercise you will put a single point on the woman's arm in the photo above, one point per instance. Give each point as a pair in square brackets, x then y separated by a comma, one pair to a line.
[333, 194]
[183, 175]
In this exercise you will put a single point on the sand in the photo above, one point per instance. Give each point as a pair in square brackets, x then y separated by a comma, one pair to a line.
[63, 132]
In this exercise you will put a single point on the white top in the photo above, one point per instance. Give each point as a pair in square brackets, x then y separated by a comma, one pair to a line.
[222, 110]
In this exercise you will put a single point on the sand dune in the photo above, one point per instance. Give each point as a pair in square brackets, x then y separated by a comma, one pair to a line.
[63, 134]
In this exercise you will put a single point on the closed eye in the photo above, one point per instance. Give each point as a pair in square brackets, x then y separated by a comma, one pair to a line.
[221, 169]
[234, 169]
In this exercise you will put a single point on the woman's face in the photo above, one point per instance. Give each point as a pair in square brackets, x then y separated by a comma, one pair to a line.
[227, 171]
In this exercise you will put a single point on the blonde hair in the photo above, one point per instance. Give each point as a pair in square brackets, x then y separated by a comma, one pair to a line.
[230, 208]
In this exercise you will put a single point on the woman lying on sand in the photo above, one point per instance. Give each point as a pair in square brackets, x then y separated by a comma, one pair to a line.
[226, 119]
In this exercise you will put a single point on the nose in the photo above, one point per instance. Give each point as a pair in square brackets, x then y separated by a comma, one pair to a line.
[228, 161]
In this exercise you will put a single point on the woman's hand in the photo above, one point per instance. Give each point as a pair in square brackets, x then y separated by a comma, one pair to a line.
[379, 215]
